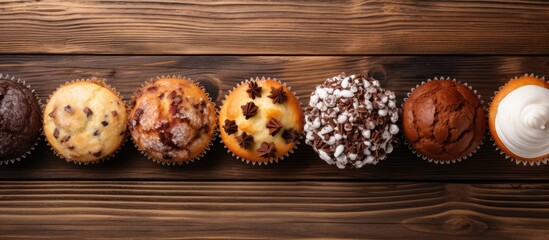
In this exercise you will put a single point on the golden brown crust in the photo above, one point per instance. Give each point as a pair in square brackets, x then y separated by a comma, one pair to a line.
[443, 120]
[172, 120]
[288, 113]
[508, 88]
[85, 121]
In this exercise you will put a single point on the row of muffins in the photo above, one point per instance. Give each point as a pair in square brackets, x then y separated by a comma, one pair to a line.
[350, 121]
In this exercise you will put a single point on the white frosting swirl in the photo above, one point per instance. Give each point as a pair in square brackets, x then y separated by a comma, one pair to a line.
[522, 121]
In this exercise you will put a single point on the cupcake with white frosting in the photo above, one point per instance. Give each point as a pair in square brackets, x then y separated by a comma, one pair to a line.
[519, 120]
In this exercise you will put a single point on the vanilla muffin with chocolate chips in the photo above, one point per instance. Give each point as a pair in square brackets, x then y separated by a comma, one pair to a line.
[85, 121]
[261, 121]
[351, 121]
[172, 120]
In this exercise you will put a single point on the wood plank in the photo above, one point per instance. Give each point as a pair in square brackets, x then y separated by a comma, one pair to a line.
[220, 73]
[274, 27]
[266, 210]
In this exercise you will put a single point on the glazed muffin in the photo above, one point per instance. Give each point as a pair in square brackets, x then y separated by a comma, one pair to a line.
[519, 119]
[85, 121]
[444, 120]
[20, 119]
[351, 121]
[261, 121]
[172, 120]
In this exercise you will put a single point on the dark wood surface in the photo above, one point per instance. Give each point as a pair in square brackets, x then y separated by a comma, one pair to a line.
[274, 27]
[220, 73]
[265, 210]
[220, 43]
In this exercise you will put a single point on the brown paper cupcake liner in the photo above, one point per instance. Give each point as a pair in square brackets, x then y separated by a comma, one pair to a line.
[31, 149]
[131, 104]
[501, 152]
[101, 82]
[270, 161]
[451, 160]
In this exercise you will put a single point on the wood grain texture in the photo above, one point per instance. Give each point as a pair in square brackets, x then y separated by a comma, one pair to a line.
[267, 210]
[274, 27]
[221, 73]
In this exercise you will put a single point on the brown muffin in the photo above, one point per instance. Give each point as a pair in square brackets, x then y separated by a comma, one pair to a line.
[172, 120]
[444, 120]
[20, 120]
[261, 121]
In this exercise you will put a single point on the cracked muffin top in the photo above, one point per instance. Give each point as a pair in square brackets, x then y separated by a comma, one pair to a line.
[443, 120]
[172, 120]
[85, 121]
[261, 120]
[20, 120]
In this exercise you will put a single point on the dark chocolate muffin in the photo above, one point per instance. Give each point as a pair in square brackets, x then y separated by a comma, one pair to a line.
[20, 120]
[444, 121]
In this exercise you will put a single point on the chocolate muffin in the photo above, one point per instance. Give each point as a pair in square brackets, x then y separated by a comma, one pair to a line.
[444, 120]
[261, 121]
[85, 121]
[20, 120]
[351, 121]
[172, 120]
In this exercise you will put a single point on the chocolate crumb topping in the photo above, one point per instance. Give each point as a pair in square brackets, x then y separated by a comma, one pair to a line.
[68, 109]
[274, 126]
[245, 140]
[267, 150]
[254, 90]
[278, 95]
[56, 133]
[88, 111]
[230, 126]
[249, 110]
[290, 136]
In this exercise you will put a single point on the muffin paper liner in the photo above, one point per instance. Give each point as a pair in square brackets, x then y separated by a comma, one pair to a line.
[161, 161]
[451, 160]
[28, 152]
[501, 152]
[270, 161]
[101, 82]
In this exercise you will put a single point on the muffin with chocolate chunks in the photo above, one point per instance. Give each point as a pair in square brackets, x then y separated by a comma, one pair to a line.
[261, 121]
[20, 120]
[172, 120]
[85, 121]
[351, 121]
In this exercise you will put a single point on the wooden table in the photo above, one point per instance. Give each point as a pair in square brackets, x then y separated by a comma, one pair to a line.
[220, 43]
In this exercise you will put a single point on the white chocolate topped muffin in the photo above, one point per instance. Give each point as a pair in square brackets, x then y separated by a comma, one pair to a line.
[85, 121]
[172, 120]
[261, 120]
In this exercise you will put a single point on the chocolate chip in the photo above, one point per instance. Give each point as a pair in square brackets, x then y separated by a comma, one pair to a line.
[167, 156]
[161, 96]
[114, 113]
[88, 111]
[96, 154]
[65, 139]
[105, 123]
[96, 132]
[68, 108]
[152, 89]
[70, 147]
[56, 133]
[52, 113]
